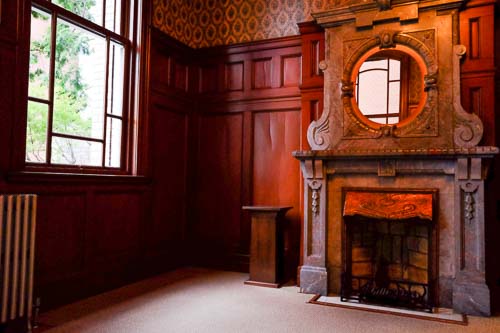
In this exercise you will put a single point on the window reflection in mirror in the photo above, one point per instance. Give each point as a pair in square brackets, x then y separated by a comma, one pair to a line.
[388, 88]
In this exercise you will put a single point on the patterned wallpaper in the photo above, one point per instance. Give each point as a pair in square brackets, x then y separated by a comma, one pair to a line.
[204, 23]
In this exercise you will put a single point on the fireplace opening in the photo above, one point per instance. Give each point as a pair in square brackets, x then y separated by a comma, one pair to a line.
[387, 259]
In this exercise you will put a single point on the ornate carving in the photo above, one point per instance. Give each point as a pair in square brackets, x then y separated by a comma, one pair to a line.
[468, 126]
[430, 81]
[425, 123]
[383, 4]
[315, 195]
[347, 88]
[386, 39]
[323, 65]
[383, 205]
[318, 133]
[469, 209]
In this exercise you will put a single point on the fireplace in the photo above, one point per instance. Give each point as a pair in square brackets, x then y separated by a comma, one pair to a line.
[389, 252]
[394, 184]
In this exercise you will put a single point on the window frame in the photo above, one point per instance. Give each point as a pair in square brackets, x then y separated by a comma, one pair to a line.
[131, 30]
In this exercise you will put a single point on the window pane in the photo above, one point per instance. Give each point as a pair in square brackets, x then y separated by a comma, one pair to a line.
[392, 120]
[372, 97]
[374, 64]
[394, 92]
[115, 80]
[79, 82]
[113, 15]
[76, 152]
[88, 9]
[394, 69]
[113, 143]
[36, 132]
[39, 54]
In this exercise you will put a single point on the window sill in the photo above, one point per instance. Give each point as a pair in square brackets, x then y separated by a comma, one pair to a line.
[90, 178]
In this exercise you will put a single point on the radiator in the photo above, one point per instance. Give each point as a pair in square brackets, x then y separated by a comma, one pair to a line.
[17, 255]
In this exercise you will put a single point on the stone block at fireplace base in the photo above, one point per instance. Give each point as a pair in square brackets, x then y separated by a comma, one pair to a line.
[471, 298]
[313, 280]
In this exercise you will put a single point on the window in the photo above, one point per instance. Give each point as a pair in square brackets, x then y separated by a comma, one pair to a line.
[378, 89]
[77, 93]
[389, 85]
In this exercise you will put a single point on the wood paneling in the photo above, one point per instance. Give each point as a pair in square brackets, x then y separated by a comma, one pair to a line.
[261, 73]
[61, 231]
[478, 68]
[276, 174]
[245, 140]
[234, 76]
[169, 147]
[313, 50]
[208, 79]
[290, 72]
[218, 182]
[180, 75]
[115, 224]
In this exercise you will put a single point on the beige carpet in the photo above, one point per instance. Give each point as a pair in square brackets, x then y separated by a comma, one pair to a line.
[199, 300]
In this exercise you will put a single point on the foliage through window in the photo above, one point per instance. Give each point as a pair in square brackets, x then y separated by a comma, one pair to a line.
[77, 84]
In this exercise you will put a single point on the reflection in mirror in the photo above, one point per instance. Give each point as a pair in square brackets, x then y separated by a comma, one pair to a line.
[389, 85]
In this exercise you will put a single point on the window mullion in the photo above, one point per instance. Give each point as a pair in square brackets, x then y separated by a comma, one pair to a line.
[104, 13]
[387, 93]
[51, 86]
[105, 121]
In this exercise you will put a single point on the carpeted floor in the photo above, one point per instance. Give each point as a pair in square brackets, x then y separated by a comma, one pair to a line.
[199, 300]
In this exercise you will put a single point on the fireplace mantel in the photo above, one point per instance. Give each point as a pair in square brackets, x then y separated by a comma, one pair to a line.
[436, 149]
[457, 176]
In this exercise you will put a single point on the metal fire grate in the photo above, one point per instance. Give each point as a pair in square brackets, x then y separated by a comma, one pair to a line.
[406, 294]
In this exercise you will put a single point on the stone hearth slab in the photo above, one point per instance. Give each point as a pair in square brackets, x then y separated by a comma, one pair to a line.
[443, 315]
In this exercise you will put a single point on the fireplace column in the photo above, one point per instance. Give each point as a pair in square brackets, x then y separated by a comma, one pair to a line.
[313, 273]
[470, 292]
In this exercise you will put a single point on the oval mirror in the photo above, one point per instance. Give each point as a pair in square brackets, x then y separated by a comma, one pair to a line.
[389, 86]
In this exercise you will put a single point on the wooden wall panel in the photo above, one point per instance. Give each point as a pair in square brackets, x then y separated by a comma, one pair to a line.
[208, 79]
[261, 73]
[169, 147]
[478, 68]
[290, 72]
[179, 75]
[234, 76]
[61, 235]
[116, 224]
[276, 174]
[218, 198]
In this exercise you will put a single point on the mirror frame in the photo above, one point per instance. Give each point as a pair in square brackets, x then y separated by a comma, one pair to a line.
[423, 71]
[424, 121]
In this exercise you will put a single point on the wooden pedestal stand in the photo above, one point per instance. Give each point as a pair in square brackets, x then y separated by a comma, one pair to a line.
[266, 248]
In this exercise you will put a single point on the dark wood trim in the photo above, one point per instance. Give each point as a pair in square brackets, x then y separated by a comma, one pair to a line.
[27, 177]
[262, 284]
[254, 46]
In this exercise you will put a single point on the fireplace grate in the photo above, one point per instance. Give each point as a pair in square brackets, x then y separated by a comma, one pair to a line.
[398, 293]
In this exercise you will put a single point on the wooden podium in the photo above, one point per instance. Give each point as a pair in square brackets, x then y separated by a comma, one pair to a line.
[266, 246]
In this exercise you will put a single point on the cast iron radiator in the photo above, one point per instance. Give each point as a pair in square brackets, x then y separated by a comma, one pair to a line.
[17, 255]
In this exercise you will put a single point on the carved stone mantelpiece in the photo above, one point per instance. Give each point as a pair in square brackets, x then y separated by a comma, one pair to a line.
[434, 149]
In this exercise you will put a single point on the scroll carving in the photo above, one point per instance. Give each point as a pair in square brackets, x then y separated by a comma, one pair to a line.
[318, 132]
[468, 126]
